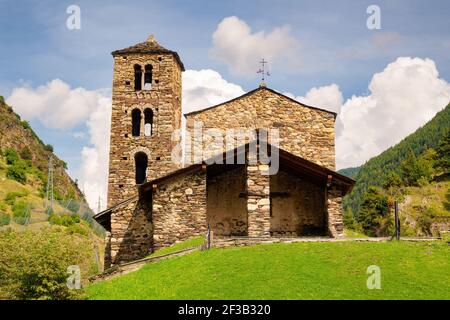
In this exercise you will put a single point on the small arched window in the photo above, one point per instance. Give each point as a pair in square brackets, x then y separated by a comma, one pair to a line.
[141, 162]
[148, 77]
[136, 122]
[148, 122]
[137, 77]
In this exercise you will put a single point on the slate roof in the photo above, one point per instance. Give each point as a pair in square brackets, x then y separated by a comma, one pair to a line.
[149, 46]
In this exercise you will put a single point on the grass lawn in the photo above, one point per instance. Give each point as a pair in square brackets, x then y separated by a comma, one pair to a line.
[335, 270]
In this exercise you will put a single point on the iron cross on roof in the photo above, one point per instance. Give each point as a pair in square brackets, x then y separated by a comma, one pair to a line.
[263, 72]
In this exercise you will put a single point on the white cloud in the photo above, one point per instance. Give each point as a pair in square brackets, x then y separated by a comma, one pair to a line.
[94, 162]
[403, 97]
[78, 135]
[205, 88]
[57, 106]
[326, 97]
[236, 45]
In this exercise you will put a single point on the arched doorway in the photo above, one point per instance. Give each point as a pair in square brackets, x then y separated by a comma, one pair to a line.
[141, 163]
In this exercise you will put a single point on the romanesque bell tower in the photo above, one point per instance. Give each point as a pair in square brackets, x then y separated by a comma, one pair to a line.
[146, 110]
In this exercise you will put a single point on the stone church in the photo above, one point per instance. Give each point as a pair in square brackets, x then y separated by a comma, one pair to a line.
[154, 201]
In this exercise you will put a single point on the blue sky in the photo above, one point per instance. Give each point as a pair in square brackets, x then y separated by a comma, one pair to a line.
[335, 46]
[38, 47]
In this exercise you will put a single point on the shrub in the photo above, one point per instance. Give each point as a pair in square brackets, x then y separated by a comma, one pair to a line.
[48, 147]
[11, 197]
[64, 220]
[35, 263]
[21, 212]
[17, 172]
[25, 154]
[425, 220]
[11, 156]
[4, 219]
[54, 218]
[78, 229]
[25, 124]
[67, 220]
[349, 220]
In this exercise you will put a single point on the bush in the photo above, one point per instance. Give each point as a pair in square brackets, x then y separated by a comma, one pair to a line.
[11, 156]
[48, 147]
[349, 220]
[54, 218]
[64, 220]
[25, 154]
[25, 124]
[4, 219]
[35, 263]
[425, 220]
[67, 220]
[17, 172]
[11, 197]
[78, 229]
[21, 212]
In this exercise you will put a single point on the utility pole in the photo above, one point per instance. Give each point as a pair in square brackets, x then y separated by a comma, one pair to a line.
[99, 207]
[397, 221]
[49, 193]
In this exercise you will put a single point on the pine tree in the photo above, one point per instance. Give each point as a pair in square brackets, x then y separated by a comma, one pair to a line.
[442, 158]
[373, 209]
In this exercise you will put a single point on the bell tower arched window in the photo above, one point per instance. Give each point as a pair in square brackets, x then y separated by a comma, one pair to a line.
[148, 77]
[137, 77]
[136, 122]
[141, 163]
[148, 122]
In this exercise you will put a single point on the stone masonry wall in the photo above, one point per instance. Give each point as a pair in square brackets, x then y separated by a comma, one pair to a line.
[303, 131]
[164, 99]
[258, 200]
[179, 210]
[131, 231]
[334, 208]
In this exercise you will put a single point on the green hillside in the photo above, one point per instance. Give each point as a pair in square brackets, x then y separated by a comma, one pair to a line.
[38, 243]
[350, 172]
[24, 161]
[290, 271]
[377, 170]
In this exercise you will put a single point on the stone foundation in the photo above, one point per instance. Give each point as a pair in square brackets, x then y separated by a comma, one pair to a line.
[131, 231]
